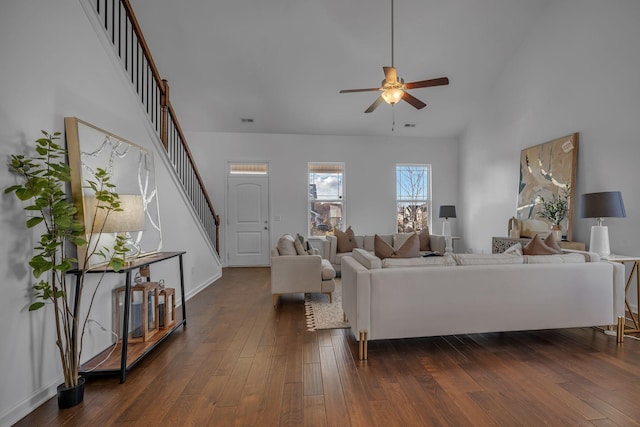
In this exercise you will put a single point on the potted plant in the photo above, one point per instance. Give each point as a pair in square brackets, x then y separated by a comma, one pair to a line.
[44, 177]
[555, 210]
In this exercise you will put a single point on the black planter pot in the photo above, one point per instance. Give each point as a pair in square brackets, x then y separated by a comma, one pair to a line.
[68, 397]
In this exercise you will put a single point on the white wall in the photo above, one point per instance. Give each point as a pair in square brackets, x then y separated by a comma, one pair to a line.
[53, 65]
[576, 72]
[369, 173]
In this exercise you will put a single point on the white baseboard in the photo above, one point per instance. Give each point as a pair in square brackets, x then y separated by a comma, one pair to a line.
[15, 414]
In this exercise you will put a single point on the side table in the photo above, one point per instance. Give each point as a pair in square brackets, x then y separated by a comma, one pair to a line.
[634, 271]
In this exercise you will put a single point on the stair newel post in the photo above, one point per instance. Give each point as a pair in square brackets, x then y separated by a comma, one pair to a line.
[164, 118]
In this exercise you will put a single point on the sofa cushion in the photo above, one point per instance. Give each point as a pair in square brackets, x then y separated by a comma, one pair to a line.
[366, 258]
[409, 249]
[425, 241]
[537, 247]
[487, 259]
[346, 240]
[414, 262]
[339, 256]
[286, 245]
[328, 272]
[570, 258]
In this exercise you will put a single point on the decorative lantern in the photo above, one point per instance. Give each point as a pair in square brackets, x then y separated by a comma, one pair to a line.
[143, 315]
[167, 311]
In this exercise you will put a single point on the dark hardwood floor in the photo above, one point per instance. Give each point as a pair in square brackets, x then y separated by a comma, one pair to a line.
[242, 363]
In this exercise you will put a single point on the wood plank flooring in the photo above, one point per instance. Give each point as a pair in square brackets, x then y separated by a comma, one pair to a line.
[240, 362]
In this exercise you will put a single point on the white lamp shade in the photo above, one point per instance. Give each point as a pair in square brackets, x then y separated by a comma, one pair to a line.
[131, 218]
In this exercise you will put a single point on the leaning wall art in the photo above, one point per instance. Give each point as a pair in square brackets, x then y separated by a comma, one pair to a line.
[132, 171]
[548, 170]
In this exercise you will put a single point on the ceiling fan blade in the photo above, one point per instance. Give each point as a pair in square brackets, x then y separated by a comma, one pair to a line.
[428, 83]
[390, 74]
[359, 90]
[413, 100]
[374, 105]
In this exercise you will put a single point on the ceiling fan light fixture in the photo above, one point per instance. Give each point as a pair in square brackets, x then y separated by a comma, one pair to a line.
[393, 95]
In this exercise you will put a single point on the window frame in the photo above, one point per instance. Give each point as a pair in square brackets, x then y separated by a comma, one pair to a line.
[428, 201]
[315, 167]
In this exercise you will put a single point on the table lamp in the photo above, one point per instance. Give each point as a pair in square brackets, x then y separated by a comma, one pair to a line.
[130, 218]
[446, 212]
[602, 205]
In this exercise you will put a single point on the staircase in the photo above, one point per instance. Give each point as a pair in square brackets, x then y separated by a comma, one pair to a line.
[122, 28]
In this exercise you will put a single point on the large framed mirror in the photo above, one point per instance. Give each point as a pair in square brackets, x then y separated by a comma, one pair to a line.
[548, 170]
[131, 169]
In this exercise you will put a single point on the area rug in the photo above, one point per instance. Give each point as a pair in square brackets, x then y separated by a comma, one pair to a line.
[321, 314]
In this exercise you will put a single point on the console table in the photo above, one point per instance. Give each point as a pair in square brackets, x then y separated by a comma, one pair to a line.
[116, 361]
[501, 244]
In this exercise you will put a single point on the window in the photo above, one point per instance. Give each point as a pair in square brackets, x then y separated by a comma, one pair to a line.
[326, 204]
[248, 168]
[413, 197]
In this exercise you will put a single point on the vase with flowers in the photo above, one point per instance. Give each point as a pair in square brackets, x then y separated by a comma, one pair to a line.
[555, 210]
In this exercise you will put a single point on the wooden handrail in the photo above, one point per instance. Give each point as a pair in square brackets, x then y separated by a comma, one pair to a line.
[143, 42]
[178, 127]
[156, 100]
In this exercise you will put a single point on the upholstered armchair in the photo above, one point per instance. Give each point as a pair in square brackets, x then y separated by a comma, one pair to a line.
[299, 271]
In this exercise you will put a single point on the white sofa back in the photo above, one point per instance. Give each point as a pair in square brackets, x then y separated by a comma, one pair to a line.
[442, 300]
[371, 261]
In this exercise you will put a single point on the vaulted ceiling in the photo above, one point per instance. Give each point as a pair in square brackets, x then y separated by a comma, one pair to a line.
[282, 62]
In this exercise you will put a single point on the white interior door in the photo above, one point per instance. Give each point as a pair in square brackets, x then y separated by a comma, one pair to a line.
[248, 220]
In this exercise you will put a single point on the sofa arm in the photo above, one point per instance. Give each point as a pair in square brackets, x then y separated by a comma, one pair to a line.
[369, 260]
[437, 243]
[333, 249]
[296, 273]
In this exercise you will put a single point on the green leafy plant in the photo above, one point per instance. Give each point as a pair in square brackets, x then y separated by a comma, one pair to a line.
[556, 209]
[44, 177]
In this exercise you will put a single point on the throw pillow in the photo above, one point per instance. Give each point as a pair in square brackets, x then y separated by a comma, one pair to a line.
[400, 238]
[409, 249]
[381, 248]
[286, 245]
[425, 242]
[299, 248]
[514, 250]
[537, 247]
[346, 240]
[551, 242]
[305, 243]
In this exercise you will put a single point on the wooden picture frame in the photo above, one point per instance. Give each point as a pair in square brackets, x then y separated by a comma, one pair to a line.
[546, 170]
[132, 171]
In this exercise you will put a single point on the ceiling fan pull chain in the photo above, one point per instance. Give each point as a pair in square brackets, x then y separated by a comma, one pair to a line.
[393, 118]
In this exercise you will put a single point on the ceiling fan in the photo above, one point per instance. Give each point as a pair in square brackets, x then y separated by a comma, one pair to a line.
[394, 88]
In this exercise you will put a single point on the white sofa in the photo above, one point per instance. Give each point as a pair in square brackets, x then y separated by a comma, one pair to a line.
[330, 246]
[435, 300]
[292, 273]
